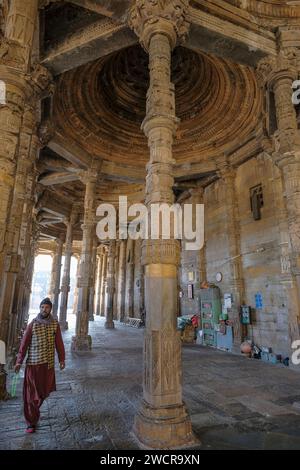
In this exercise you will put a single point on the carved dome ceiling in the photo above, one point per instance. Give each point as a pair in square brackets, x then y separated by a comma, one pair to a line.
[101, 105]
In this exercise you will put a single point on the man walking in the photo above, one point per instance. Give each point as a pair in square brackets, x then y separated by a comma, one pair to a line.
[42, 336]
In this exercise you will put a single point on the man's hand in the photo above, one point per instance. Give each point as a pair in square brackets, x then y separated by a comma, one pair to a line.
[17, 368]
[62, 365]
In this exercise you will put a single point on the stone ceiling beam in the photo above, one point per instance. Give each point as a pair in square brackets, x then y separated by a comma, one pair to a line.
[58, 178]
[112, 9]
[244, 44]
[70, 151]
[49, 204]
[96, 40]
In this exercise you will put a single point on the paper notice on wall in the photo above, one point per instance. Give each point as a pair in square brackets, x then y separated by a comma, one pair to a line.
[227, 301]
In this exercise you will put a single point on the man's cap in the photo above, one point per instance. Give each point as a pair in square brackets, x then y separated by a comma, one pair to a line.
[46, 301]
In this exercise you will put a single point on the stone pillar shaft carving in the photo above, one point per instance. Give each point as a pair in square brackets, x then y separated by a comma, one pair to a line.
[55, 276]
[109, 323]
[279, 76]
[103, 283]
[99, 270]
[65, 284]
[236, 282]
[14, 63]
[121, 281]
[93, 279]
[82, 340]
[162, 421]
[129, 287]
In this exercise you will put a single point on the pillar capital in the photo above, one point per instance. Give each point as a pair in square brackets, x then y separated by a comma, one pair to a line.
[225, 170]
[167, 17]
[272, 69]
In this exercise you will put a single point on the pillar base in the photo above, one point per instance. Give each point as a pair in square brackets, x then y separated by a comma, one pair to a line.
[64, 325]
[109, 324]
[4, 395]
[164, 428]
[91, 318]
[81, 343]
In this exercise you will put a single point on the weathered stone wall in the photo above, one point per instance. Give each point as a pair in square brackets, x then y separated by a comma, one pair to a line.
[260, 248]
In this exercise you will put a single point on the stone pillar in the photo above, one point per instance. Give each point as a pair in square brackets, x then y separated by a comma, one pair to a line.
[137, 289]
[235, 282]
[116, 280]
[162, 421]
[16, 47]
[21, 213]
[197, 197]
[121, 281]
[93, 279]
[76, 288]
[129, 281]
[65, 284]
[55, 275]
[103, 283]
[109, 323]
[82, 341]
[277, 75]
[99, 269]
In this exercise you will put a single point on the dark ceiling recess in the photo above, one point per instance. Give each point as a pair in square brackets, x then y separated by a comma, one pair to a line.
[62, 19]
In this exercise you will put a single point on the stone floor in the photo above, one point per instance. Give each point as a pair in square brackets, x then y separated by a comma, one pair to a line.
[234, 402]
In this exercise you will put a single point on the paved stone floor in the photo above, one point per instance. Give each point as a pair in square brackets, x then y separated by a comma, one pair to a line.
[234, 402]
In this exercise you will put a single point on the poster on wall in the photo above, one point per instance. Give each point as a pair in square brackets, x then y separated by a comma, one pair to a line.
[258, 300]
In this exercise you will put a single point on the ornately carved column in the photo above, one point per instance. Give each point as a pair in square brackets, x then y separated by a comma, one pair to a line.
[76, 282]
[235, 282]
[65, 283]
[93, 279]
[278, 75]
[15, 49]
[129, 287]
[82, 341]
[162, 421]
[109, 323]
[121, 281]
[99, 269]
[56, 274]
[103, 283]
[116, 280]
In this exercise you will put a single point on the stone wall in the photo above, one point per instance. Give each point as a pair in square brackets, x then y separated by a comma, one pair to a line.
[260, 249]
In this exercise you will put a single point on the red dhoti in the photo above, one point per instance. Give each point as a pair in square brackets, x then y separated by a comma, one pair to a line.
[39, 382]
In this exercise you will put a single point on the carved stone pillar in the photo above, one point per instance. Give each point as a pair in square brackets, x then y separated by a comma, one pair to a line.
[99, 269]
[103, 283]
[116, 276]
[109, 323]
[138, 275]
[76, 288]
[129, 286]
[162, 421]
[197, 197]
[93, 280]
[82, 341]
[55, 275]
[65, 284]
[235, 281]
[15, 49]
[121, 281]
[277, 75]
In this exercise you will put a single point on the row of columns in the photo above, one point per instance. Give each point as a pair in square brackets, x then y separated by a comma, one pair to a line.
[25, 85]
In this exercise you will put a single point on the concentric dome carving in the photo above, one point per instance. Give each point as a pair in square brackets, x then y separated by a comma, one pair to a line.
[101, 105]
